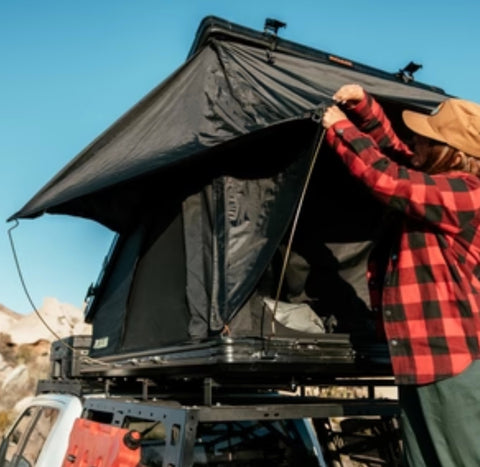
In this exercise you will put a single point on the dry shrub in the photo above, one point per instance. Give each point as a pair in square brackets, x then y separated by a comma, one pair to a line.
[6, 419]
[25, 354]
[36, 368]
[7, 350]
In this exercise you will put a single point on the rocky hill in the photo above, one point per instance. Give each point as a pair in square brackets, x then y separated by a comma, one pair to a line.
[24, 350]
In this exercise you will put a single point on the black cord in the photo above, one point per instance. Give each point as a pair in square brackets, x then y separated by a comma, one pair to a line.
[22, 280]
[32, 304]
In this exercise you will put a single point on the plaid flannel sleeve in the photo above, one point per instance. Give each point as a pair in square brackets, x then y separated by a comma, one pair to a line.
[370, 118]
[449, 201]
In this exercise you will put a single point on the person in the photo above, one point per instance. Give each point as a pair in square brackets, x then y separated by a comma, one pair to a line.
[426, 283]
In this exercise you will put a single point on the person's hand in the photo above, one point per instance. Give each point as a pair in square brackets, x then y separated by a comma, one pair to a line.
[331, 116]
[349, 95]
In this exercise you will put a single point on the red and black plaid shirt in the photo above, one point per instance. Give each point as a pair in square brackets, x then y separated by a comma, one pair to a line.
[430, 292]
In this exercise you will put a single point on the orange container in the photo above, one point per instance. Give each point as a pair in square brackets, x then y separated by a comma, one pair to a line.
[94, 444]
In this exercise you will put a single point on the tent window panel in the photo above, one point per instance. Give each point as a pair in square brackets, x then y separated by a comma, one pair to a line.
[157, 310]
[109, 308]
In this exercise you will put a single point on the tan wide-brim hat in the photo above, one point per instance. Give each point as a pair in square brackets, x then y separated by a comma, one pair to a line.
[455, 122]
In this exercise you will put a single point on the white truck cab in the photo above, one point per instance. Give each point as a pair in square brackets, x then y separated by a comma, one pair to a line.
[40, 435]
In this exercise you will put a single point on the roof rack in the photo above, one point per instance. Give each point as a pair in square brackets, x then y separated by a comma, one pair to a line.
[203, 371]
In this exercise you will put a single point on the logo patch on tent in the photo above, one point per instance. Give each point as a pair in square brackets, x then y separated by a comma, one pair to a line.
[101, 343]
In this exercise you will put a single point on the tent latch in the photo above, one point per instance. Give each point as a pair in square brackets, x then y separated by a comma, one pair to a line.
[271, 28]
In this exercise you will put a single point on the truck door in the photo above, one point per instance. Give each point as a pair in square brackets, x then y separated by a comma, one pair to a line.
[23, 444]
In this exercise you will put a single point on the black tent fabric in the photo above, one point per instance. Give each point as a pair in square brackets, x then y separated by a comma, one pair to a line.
[231, 85]
[201, 180]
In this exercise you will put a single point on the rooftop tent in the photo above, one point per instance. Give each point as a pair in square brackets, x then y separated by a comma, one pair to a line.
[201, 180]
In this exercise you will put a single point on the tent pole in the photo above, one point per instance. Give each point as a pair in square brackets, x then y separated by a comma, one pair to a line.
[319, 141]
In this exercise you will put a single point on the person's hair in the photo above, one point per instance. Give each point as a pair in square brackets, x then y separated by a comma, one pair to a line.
[469, 164]
[444, 158]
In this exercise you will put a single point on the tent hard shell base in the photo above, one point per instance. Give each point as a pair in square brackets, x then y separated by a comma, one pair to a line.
[245, 362]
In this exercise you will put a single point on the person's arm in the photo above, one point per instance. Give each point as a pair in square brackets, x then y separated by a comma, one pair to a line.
[369, 117]
[446, 201]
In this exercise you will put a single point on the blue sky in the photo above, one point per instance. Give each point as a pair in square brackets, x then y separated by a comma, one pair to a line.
[69, 69]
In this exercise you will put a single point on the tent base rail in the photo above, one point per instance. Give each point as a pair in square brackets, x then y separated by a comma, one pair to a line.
[258, 359]
[226, 363]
